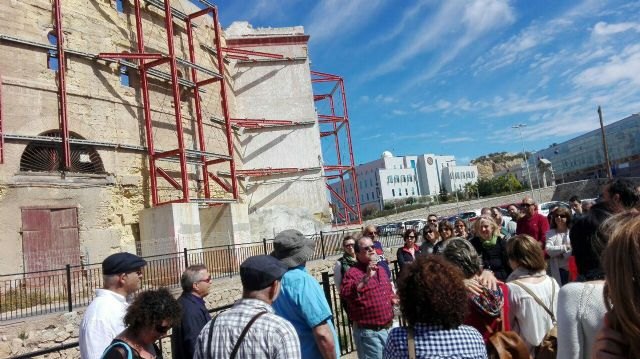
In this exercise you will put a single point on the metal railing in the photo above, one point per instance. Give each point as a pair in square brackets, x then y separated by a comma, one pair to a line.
[341, 322]
[65, 289]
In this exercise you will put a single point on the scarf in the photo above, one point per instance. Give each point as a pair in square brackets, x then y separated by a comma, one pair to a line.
[524, 273]
[489, 302]
[346, 262]
[491, 242]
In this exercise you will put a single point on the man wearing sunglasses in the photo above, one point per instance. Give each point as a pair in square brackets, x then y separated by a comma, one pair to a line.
[369, 297]
[533, 223]
[103, 319]
[195, 282]
[371, 232]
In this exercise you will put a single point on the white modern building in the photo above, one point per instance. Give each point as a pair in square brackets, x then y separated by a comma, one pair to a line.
[395, 178]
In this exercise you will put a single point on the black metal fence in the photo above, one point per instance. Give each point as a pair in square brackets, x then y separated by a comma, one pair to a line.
[36, 293]
[341, 321]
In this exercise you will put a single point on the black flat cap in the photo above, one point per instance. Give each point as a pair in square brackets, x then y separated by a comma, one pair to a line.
[122, 263]
[259, 272]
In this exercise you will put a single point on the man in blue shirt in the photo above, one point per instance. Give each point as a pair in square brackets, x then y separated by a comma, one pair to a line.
[301, 300]
[195, 282]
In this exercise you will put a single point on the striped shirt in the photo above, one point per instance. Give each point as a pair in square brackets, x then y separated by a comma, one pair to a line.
[270, 336]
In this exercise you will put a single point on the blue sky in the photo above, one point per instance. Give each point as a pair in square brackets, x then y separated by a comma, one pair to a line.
[452, 77]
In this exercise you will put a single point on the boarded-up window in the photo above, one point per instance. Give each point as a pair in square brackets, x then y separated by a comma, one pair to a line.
[50, 238]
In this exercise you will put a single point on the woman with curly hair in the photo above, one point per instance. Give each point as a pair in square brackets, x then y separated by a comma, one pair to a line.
[461, 229]
[558, 245]
[408, 253]
[433, 300]
[148, 318]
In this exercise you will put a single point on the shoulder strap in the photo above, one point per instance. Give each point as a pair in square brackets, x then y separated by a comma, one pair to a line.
[411, 343]
[122, 344]
[210, 339]
[537, 299]
[244, 333]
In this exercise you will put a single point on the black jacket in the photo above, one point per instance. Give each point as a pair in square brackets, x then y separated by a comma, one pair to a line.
[194, 318]
[494, 258]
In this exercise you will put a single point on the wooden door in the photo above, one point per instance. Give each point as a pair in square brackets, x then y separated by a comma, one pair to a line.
[50, 238]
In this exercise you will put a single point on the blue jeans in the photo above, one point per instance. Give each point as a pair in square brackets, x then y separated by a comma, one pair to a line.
[369, 343]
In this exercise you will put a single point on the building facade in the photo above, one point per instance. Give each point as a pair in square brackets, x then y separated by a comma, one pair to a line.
[393, 178]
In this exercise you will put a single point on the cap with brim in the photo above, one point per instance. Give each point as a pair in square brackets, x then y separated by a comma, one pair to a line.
[259, 272]
[292, 247]
[122, 263]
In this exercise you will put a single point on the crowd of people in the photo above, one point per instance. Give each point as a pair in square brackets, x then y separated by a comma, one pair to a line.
[494, 288]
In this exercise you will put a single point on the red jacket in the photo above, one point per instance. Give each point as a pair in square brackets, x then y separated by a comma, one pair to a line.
[536, 226]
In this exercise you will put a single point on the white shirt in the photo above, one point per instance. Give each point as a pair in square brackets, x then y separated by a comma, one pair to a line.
[526, 316]
[102, 322]
[558, 248]
[581, 313]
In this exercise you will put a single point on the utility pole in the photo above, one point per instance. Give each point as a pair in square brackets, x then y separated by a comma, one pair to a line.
[524, 153]
[604, 146]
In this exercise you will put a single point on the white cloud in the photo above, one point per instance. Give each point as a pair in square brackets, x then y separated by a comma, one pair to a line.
[604, 29]
[331, 19]
[533, 36]
[457, 140]
[399, 112]
[385, 99]
[622, 67]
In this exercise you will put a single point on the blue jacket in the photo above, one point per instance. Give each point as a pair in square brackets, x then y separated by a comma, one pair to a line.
[194, 318]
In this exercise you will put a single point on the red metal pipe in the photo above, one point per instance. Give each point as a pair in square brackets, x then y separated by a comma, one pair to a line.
[345, 113]
[234, 50]
[62, 87]
[199, 13]
[160, 61]
[198, 108]
[129, 55]
[225, 108]
[169, 179]
[217, 180]
[175, 89]
[144, 87]
[207, 81]
[167, 154]
[219, 160]
[343, 201]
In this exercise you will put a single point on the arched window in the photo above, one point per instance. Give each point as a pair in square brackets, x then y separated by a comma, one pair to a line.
[47, 156]
[52, 55]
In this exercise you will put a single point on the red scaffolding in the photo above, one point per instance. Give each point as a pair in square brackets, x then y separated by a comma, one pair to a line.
[334, 125]
[203, 158]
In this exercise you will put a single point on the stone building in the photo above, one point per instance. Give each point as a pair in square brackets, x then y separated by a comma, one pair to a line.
[93, 164]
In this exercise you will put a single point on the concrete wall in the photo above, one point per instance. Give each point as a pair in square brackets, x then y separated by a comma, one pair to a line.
[279, 90]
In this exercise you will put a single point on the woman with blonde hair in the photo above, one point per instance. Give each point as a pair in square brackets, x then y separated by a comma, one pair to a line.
[533, 295]
[621, 264]
[491, 245]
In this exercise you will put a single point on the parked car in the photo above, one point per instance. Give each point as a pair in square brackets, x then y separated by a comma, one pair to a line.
[391, 229]
[417, 224]
[545, 207]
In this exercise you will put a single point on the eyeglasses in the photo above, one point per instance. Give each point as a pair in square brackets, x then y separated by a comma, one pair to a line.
[162, 329]
[137, 271]
[349, 244]
[367, 248]
[207, 280]
[429, 232]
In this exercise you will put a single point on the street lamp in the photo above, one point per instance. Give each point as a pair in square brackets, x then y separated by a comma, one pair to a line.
[524, 153]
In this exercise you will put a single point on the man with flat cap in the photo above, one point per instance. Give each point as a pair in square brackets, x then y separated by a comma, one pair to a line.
[251, 329]
[301, 300]
[103, 319]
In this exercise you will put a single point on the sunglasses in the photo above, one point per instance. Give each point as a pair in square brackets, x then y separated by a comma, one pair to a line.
[367, 248]
[349, 244]
[411, 237]
[207, 280]
[429, 232]
[560, 216]
[162, 329]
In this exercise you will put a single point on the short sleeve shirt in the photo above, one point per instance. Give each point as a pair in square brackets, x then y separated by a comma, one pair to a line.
[302, 302]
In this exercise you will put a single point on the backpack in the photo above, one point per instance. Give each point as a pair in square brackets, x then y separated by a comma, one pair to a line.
[548, 348]
[506, 344]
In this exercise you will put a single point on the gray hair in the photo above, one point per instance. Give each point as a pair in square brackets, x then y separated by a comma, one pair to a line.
[190, 276]
[461, 253]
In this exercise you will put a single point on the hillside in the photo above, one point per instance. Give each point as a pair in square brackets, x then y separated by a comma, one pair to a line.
[496, 162]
